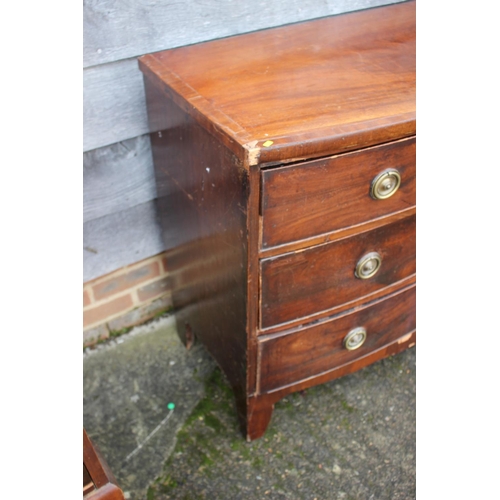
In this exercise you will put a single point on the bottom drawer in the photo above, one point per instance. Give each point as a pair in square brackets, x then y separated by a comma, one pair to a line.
[316, 349]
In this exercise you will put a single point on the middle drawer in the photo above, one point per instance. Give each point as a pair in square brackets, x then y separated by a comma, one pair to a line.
[306, 282]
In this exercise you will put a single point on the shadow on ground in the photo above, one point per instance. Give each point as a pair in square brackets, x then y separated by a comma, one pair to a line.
[352, 438]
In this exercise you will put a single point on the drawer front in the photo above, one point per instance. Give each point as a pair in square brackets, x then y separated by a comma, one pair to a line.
[320, 278]
[322, 196]
[319, 348]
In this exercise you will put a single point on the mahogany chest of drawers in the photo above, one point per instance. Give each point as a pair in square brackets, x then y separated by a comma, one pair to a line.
[285, 170]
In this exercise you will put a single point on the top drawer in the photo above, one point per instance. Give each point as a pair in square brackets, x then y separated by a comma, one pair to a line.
[322, 196]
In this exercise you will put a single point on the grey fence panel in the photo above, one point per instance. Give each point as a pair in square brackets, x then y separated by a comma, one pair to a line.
[120, 239]
[114, 104]
[117, 177]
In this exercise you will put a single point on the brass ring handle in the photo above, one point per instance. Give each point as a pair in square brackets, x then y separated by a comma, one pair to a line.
[385, 184]
[355, 338]
[368, 265]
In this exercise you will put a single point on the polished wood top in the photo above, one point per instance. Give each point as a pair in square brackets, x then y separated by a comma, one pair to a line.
[313, 88]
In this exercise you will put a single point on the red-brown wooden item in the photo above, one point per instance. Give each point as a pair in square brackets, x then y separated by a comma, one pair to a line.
[268, 148]
[99, 483]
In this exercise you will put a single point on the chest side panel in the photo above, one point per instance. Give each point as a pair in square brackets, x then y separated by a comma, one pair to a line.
[202, 206]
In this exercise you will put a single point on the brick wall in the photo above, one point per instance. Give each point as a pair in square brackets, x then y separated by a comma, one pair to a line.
[125, 298]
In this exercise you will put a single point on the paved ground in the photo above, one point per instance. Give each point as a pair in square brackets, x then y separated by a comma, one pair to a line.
[352, 438]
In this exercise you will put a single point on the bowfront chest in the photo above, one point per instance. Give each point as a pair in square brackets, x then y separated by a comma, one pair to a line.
[285, 171]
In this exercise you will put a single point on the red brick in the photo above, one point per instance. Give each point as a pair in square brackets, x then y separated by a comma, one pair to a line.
[118, 284]
[164, 264]
[153, 290]
[86, 298]
[104, 311]
[140, 314]
[93, 335]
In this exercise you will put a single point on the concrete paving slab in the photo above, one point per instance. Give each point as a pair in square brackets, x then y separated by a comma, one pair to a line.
[352, 438]
[128, 385]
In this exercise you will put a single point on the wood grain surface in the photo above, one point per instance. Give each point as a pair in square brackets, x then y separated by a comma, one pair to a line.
[303, 283]
[114, 104]
[322, 196]
[120, 238]
[263, 403]
[357, 69]
[117, 177]
[310, 351]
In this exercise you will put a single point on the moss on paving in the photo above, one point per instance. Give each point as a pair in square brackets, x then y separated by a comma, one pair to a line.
[213, 415]
[210, 441]
[312, 436]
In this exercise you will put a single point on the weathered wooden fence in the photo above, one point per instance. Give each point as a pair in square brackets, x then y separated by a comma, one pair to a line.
[120, 226]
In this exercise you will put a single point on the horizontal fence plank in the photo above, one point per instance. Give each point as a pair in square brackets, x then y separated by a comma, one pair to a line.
[120, 239]
[121, 30]
[117, 177]
[114, 104]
